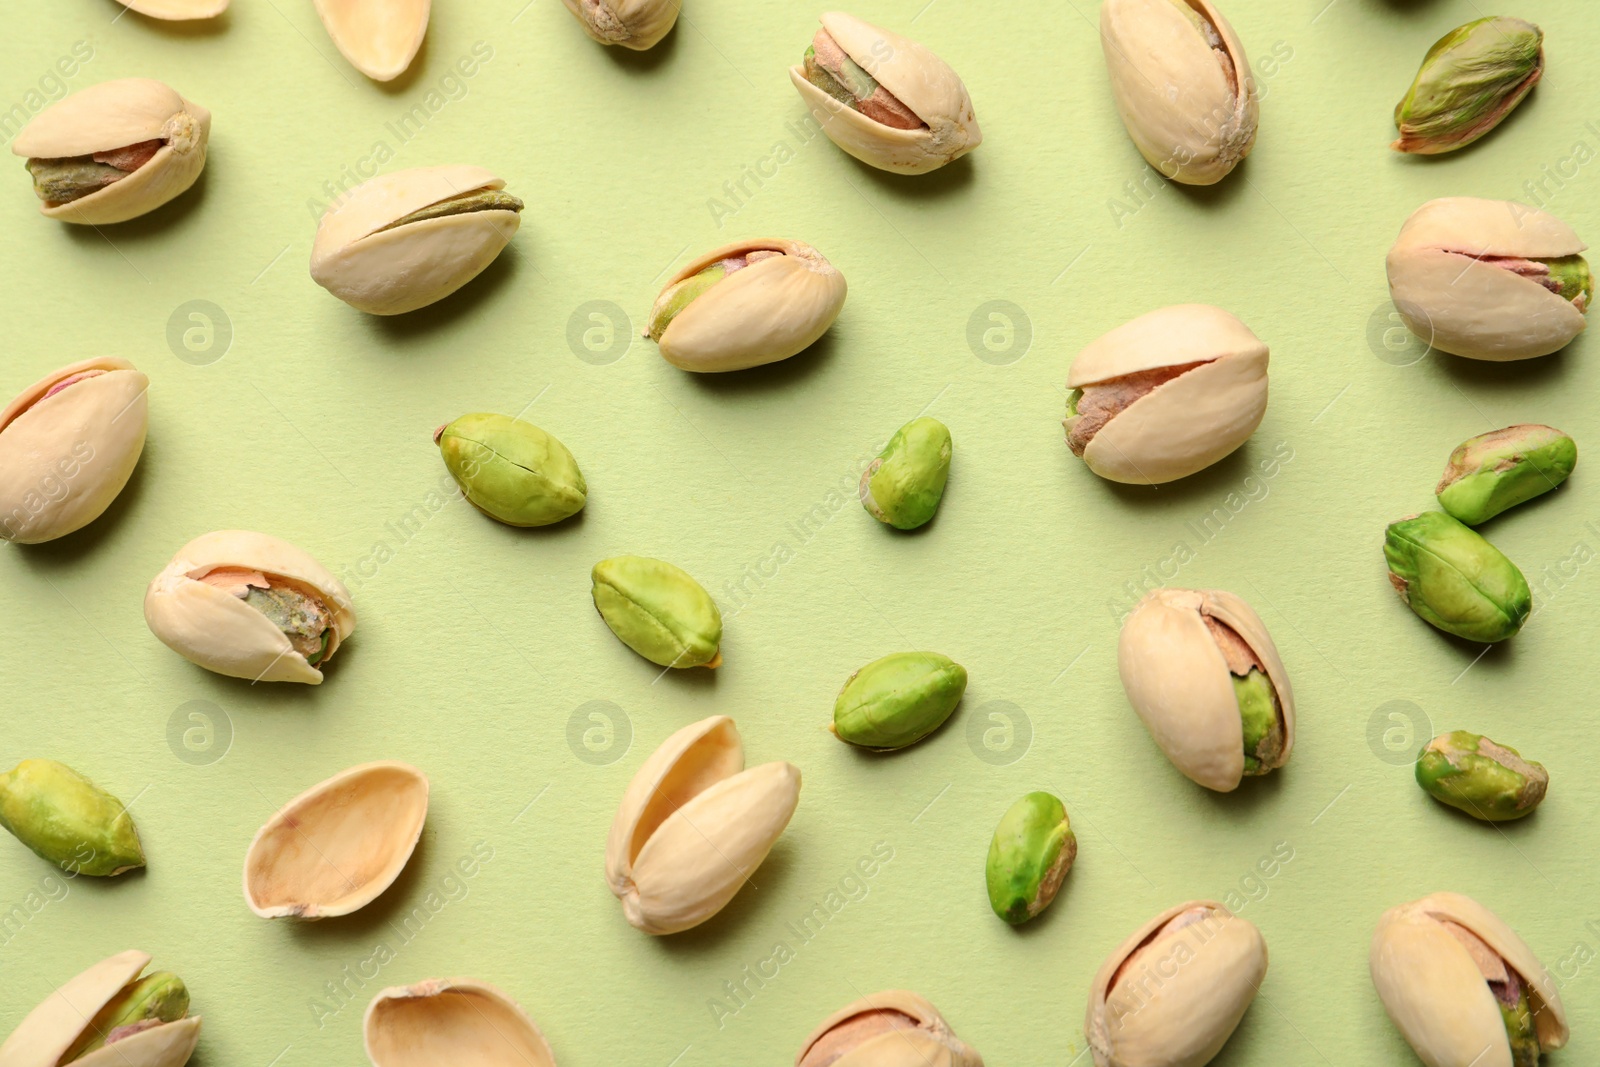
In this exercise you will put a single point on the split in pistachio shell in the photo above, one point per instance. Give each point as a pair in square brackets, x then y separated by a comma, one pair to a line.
[68, 820]
[1462, 988]
[109, 1016]
[898, 700]
[512, 470]
[694, 825]
[1490, 279]
[1453, 578]
[895, 1028]
[886, 100]
[746, 304]
[250, 606]
[636, 24]
[659, 611]
[457, 1021]
[1495, 471]
[1470, 80]
[1031, 853]
[903, 486]
[114, 151]
[378, 37]
[1486, 780]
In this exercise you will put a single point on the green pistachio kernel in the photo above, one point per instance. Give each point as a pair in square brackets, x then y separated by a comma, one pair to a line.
[466, 203]
[1470, 80]
[68, 820]
[1571, 279]
[156, 998]
[1487, 781]
[1032, 850]
[1511, 997]
[680, 295]
[1496, 471]
[657, 610]
[898, 700]
[1263, 721]
[512, 470]
[1454, 579]
[904, 485]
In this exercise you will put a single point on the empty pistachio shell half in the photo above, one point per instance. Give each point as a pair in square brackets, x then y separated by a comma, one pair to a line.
[378, 37]
[109, 1017]
[886, 100]
[177, 10]
[894, 1028]
[67, 819]
[694, 825]
[1166, 395]
[459, 1021]
[1031, 853]
[250, 606]
[405, 240]
[1490, 279]
[1173, 993]
[68, 445]
[636, 24]
[746, 304]
[898, 700]
[659, 611]
[1182, 84]
[903, 486]
[114, 151]
[1470, 80]
[1495, 471]
[1453, 578]
[1462, 988]
[511, 470]
[1486, 780]
[337, 846]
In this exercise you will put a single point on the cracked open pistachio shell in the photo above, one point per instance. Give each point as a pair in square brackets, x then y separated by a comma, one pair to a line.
[250, 606]
[68, 445]
[1166, 395]
[1490, 279]
[1182, 84]
[903, 486]
[109, 1016]
[1462, 988]
[459, 1021]
[694, 825]
[1486, 780]
[886, 100]
[894, 1028]
[1470, 80]
[68, 820]
[1202, 672]
[512, 470]
[636, 24]
[898, 700]
[337, 846]
[1173, 993]
[1495, 471]
[114, 151]
[405, 240]
[1453, 578]
[1031, 853]
[659, 611]
[746, 304]
[378, 37]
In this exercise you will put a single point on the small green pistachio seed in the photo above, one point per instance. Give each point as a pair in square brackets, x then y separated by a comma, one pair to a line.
[898, 700]
[1262, 719]
[680, 295]
[904, 485]
[465, 204]
[1487, 781]
[659, 611]
[1495, 471]
[1032, 850]
[1517, 1015]
[512, 470]
[304, 620]
[160, 997]
[1573, 279]
[1469, 81]
[68, 820]
[1454, 579]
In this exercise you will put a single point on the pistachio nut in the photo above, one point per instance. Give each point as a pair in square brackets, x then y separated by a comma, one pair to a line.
[636, 24]
[657, 610]
[68, 445]
[67, 819]
[903, 486]
[1462, 988]
[1490, 279]
[746, 304]
[1173, 993]
[406, 240]
[1470, 80]
[109, 1016]
[1486, 780]
[1166, 395]
[250, 606]
[886, 100]
[511, 470]
[1495, 471]
[177, 10]
[898, 700]
[1451, 577]
[1031, 853]
[894, 1028]
[694, 825]
[459, 1021]
[378, 37]
[1182, 84]
[114, 151]
[1202, 672]
[337, 846]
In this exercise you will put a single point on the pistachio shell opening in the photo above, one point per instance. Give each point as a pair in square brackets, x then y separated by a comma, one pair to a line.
[459, 1021]
[659, 611]
[894, 1028]
[68, 820]
[1470, 80]
[636, 24]
[1496, 471]
[108, 1017]
[378, 37]
[512, 470]
[898, 700]
[1454, 579]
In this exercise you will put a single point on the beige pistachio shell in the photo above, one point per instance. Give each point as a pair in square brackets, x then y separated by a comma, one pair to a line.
[457, 1021]
[65, 458]
[636, 24]
[1180, 1001]
[1475, 309]
[840, 1040]
[53, 1028]
[210, 627]
[117, 114]
[1436, 994]
[177, 10]
[918, 79]
[337, 846]
[378, 37]
[694, 825]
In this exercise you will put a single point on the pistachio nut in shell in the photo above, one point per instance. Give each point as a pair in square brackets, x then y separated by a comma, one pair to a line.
[894, 1028]
[1462, 988]
[114, 151]
[1454, 579]
[694, 825]
[251, 606]
[177, 10]
[68, 820]
[885, 99]
[1166, 395]
[68, 445]
[378, 37]
[636, 24]
[337, 846]
[659, 611]
[512, 470]
[1029, 856]
[1203, 674]
[903, 486]
[898, 700]
[746, 304]
[1182, 85]
[1498, 470]
[1470, 80]
[1486, 780]
[108, 1016]
[405, 240]
[1490, 279]
[459, 1021]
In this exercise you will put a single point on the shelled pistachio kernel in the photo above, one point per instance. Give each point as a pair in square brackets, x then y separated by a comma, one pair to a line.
[1454, 579]
[1486, 780]
[68, 820]
[903, 486]
[1470, 80]
[1031, 852]
[1496, 471]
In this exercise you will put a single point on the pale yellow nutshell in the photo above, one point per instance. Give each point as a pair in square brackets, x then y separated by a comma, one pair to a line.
[54, 1028]
[636, 24]
[177, 10]
[894, 1028]
[378, 37]
[458, 1021]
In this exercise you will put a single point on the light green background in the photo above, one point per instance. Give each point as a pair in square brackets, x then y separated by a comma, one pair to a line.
[477, 643]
